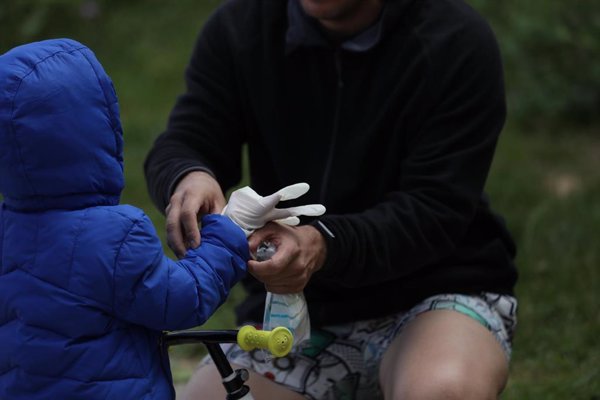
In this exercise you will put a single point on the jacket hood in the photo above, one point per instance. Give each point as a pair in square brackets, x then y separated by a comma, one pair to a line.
[61, 141]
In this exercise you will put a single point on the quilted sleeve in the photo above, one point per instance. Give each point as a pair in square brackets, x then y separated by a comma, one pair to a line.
[162, 294]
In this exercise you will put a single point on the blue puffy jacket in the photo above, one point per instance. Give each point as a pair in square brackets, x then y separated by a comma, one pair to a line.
[85, 288]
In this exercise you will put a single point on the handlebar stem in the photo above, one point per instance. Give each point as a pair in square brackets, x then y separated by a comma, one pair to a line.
[233, 381]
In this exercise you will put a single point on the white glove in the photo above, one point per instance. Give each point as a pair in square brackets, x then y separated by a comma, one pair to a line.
[251, 211]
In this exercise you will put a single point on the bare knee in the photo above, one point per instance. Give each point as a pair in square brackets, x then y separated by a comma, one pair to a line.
[445, 381]
[443, 355]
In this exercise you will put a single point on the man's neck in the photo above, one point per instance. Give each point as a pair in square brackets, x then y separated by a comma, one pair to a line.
[356, 21]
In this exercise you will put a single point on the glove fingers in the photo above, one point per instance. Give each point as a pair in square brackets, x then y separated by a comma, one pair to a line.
[270, 201]
[309, 209]
[245, 193]
[282, 213]
[293, 191]
[289, 221]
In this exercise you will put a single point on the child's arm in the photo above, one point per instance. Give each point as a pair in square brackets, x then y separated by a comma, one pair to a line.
[154, 291]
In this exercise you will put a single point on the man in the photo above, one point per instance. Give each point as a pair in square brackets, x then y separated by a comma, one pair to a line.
[391, 111]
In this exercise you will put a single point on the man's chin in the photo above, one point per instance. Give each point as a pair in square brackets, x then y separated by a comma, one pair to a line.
[327, 9]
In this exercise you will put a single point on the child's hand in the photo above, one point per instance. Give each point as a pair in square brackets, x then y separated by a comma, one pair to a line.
[251, 211]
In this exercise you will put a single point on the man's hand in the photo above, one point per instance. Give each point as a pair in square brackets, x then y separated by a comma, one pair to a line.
[198, 193]
[301, 251]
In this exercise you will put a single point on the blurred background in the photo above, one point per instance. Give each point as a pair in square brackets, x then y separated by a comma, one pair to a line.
[545, 178]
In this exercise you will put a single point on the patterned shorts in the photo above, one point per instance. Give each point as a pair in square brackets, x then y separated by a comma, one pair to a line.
[342, 361]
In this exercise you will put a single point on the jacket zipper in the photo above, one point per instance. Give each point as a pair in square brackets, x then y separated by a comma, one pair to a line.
[336, 123]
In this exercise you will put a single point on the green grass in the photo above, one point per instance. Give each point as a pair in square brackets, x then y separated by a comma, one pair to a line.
[548, 187]
[546, 182]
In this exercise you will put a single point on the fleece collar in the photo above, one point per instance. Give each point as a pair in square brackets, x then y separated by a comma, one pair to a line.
[305, 31]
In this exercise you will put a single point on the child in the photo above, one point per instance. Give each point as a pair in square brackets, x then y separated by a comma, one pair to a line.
[85, 289]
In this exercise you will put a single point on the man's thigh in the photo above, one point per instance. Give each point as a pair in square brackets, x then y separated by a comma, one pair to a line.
[339, 361]
[343, 361]
[444, 354]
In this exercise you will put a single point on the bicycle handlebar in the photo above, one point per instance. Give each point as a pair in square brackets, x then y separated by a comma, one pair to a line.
[278, 342]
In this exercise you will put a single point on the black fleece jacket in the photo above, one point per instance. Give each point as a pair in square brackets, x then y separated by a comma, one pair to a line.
[395, 139]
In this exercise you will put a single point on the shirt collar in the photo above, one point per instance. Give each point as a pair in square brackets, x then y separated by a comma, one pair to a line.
[304, 31]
